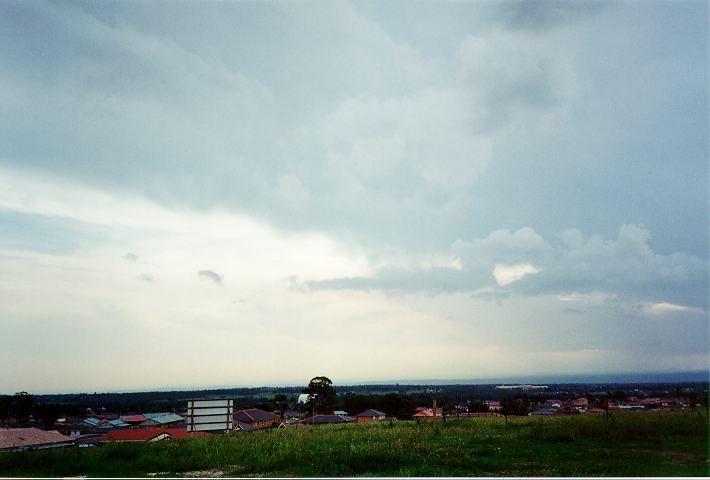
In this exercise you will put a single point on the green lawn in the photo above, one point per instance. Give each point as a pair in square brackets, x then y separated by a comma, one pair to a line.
[635, 444]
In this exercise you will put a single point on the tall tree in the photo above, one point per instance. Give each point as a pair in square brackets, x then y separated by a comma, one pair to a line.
[23, 406]
[322, 395]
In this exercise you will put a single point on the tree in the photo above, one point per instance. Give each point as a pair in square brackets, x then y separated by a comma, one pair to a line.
[280, 404]
[517, 406]
[5, 406]
[23, 406]
[48, 414]
[322, 395]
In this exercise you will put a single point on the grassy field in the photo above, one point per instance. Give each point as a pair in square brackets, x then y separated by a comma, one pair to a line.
[640, 444]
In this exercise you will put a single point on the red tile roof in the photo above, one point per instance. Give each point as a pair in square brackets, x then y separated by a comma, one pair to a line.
[27, 437]
[134, 419]
[428, 412]
[147, 434]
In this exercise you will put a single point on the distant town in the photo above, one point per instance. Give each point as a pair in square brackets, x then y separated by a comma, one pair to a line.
[89, 420]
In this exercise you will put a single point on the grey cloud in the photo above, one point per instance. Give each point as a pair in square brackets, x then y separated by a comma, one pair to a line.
[436, 280]
[210, 275]
[624, 266]
[372, 136]
[516, 76]
[131, 257]
[146, 277]
[538, 14]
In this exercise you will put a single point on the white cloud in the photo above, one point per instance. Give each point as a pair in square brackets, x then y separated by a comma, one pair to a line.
[172, 239]
[505, 274]
[588, 298]
[525, 244]
[665, 308]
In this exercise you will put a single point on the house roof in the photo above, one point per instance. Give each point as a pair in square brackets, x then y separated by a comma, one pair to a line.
[162, 418]
[146, 434]
[327, 419]
[114, 424]
[543, 412]
[253, 415]
[27, 437]
[93, 422]
[133, 418]
[244, 426]
[428, 413]
[370, 412]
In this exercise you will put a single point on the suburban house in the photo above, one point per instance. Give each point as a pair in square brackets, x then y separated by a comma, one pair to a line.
[324, 419]
[150, 434]
[255, 418]
[427, 414]
[581, 405]
[21, 439]
[370, 415]
[493, 405]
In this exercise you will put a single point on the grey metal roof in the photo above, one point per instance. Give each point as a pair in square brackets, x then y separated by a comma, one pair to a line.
[114, 424]
[163, 418]
[92, 422]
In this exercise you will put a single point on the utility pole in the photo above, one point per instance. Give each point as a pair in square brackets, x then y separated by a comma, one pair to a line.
[433, 421]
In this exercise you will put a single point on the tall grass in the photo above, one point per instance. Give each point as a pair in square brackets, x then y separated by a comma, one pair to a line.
[626, 444]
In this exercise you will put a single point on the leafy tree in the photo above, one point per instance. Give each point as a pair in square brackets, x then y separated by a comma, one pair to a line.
[477, 406]
[516, 406]
[280, 404]
[23, 406]
[322, 395]
[48, 414]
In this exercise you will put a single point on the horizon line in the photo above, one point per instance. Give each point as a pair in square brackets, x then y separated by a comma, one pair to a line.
[694, 376]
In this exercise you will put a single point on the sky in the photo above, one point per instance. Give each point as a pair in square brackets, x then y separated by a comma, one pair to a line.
[199, 194]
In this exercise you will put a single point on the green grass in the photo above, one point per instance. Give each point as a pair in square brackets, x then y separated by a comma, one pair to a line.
[646, 444]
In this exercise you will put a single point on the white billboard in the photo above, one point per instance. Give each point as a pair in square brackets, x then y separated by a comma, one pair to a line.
[210, 415]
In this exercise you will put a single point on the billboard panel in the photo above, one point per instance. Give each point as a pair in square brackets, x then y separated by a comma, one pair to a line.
[209, 427]
[210, 415]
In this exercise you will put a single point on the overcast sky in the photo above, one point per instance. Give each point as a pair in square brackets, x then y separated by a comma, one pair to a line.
[253, 193]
